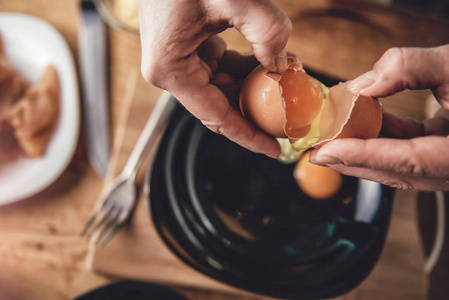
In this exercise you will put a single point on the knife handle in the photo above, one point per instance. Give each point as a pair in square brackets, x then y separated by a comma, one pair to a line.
[93, 76]
[156, 123]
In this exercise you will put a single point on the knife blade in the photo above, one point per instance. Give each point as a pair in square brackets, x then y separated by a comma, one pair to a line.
[93, 76]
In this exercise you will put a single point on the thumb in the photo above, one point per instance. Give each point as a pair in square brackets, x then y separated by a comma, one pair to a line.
[401, 68]
[264, 25]
[421, 156]
[418, 163]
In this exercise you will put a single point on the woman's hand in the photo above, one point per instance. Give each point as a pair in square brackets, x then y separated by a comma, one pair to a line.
[182, 54]
[410, 154]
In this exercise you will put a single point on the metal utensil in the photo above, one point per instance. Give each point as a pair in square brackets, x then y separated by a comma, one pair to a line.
[93, 76]
[119, 197]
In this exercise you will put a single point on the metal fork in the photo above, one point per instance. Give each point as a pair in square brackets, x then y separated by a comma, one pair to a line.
[118, 199]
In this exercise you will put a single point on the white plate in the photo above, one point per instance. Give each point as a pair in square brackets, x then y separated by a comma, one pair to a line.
[31, 44]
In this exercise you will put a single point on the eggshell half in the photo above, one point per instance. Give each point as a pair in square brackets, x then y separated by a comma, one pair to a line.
[261, 102]
[346, 115]
[343, 115]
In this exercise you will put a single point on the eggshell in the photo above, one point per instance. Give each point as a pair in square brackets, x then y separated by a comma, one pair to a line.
[346, 115]
[343, 114]
[316, 181]
[261, 102]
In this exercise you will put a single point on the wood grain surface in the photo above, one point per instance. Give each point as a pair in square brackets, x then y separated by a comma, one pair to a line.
[41, 255]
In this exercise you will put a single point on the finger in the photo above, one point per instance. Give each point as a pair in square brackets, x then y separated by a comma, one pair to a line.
[214, 54]
[400, 127]
[264, 25]
[193, 89]
[237, 64]
[422, 156]
[211, 106]
[436, 126]
[211, 51]
[401, 68]
[442, 114]
[394, 180]
[406, 127]
[439, 124]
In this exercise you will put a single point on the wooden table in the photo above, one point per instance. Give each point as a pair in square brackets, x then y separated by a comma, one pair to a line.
[41, 255]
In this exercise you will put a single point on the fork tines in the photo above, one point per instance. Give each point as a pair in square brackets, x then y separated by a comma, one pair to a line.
[104, 223]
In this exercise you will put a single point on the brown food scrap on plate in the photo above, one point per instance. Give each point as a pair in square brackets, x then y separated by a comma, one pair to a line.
[28, 112]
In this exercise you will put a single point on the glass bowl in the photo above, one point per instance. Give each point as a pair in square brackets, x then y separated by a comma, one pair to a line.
[121, 14]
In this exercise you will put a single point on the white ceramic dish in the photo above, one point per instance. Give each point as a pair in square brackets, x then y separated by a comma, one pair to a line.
[31, 44]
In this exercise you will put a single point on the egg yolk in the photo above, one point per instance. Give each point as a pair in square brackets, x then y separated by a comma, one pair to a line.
[303, 100]
[318, 182]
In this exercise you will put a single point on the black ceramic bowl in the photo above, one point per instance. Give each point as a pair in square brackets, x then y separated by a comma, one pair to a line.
[240, 217]
[131, 290]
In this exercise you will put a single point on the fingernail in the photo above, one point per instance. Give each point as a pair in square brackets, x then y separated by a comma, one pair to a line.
[362, 82]
[271, 155]
[281, 62]
[312, 158]
[274, 153]
[323, 159]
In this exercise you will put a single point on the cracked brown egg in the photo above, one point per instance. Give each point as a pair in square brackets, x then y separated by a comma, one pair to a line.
[298, 107]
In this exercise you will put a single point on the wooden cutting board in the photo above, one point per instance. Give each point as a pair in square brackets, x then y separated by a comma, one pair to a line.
[138, 252]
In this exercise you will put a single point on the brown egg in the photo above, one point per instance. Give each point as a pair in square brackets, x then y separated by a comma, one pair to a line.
[261, 101]
[299, 107]
[316, 181]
